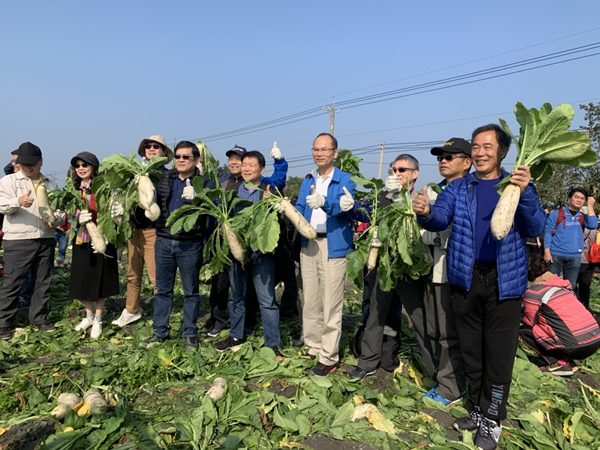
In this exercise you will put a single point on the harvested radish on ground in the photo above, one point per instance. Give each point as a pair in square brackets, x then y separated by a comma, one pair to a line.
[93, 403]
[217, 390]
[544, 138]
[66, 402]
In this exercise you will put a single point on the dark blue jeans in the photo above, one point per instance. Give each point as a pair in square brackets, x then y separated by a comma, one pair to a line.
[568, 267]
[262, 270]
[61, 239]
[170, 255]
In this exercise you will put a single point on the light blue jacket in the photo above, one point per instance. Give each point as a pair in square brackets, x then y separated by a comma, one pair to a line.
[568, 238]
[457, 205]
[339, 224]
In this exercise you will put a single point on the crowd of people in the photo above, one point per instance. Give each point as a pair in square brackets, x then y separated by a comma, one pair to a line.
[467, 313]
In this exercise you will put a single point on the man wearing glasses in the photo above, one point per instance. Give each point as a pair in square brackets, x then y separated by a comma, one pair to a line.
[140, 247]
[182, 250]
[444, 364]
[323, 260]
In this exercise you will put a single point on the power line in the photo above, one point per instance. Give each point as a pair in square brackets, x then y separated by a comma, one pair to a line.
[422, 88]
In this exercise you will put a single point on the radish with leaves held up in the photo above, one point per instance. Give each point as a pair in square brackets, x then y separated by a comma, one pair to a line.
[544, 138]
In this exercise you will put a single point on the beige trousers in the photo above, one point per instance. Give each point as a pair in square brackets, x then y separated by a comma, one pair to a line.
[324, 281]
[140, 249]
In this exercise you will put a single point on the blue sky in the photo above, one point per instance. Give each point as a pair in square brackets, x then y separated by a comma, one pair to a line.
[100, 76]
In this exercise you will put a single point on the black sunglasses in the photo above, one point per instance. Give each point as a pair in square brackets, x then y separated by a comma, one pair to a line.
[77, 166]
[186, 157]
[449, 158]
[402, 169]
[154, 146]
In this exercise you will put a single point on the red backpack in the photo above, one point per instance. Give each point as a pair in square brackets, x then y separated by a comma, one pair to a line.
[562, 218]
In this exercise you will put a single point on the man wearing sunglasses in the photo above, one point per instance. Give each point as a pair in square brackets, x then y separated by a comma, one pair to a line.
[140, 247]
[443, 363]
[182, 250]
[488, 276]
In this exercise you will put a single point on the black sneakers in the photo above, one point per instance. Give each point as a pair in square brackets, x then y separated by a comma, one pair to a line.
[360, 374]
[152, 339]
[191, 343]
[470, 422]
[226, 343]
[488, 435]
[322, 370]
[46, 326]
[6, 333]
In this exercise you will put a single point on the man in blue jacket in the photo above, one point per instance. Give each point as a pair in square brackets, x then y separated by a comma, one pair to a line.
[563, 236]
[323, 260]
[489, 277]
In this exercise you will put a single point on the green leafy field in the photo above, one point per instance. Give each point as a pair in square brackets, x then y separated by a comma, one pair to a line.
[161, 400]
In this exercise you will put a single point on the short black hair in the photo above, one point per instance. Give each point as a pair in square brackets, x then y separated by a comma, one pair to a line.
[537, 266]
[578, 189]
[333, 140]
[255, 154]
[502, 136]
[188, 144]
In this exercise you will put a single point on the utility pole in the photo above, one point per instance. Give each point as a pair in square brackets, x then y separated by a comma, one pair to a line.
[332, 111]
[381, 159]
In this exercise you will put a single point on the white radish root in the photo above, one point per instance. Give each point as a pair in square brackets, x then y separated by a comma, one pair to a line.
[217, 390]
[373, 249]
[298, 220]
[504, 213]
[98, 241]
[44, 208]
[66, 402]
[360, 411]
[234, 244]
[147, 197]
[93, 403]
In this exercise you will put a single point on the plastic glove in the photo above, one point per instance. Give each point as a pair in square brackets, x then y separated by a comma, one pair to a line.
[315, 200]
[188, 191]
[275, 152]
[84, 217]
[60, 218]
[280, 207]
[347, 201]
[392, 182]
[116, 210]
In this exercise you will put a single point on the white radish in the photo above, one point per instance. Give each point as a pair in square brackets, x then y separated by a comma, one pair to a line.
[234, 244]
[298, 220]
[373, 249]
[98, 240]
[44, 208]
[504, 213]
[95, 401]
[147, 197]
[66, 402]
[217, 390]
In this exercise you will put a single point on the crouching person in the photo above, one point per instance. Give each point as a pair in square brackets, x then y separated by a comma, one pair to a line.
[556, 325]
[182, 250]
[259, 267]
[28, 241]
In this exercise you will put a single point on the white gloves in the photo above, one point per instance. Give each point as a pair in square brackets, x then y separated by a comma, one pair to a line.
[116, 210]
[145, 161]
[84, 217]
[315, 200]
[188, 191]
[280, 207]
[347, 201]
[275, 152]
[392, 182]
[60, 218]
[375, 241]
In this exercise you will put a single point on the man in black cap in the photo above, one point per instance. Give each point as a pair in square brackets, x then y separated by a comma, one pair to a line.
[28, 241]
[444, 364]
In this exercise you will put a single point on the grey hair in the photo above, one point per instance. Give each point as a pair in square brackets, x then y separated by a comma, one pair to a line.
[406, 157]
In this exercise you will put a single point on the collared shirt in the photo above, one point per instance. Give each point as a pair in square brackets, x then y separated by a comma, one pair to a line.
[175, 201]
[318, 219]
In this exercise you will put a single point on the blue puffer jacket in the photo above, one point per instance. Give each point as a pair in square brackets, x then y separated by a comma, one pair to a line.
[339, 223]
[457, 205]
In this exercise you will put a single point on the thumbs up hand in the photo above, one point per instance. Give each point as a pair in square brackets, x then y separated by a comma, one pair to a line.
[275, 152]
[421, 204]
[392, 182]
[347, 201]
[25, 200]
[315, 200]
[188, 191]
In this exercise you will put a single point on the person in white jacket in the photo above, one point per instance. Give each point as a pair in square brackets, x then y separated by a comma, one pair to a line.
[28, 241]
[454, 161]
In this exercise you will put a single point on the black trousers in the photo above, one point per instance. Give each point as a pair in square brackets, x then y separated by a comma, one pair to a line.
[488, 331]
[19, 257]
[285, 270]
[584, 280]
